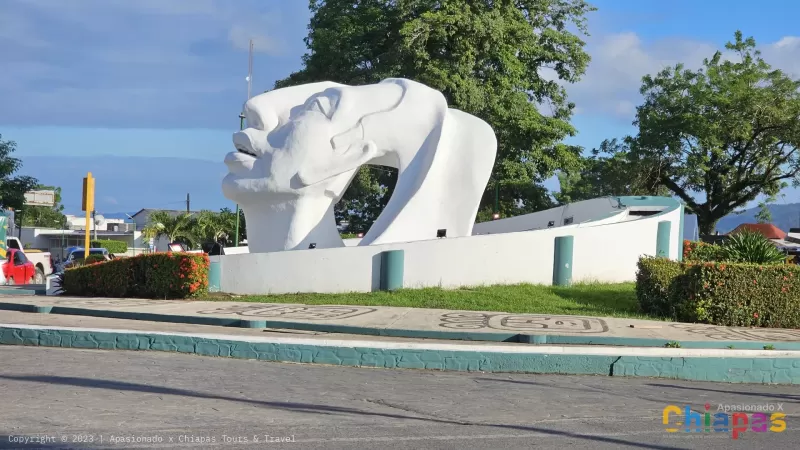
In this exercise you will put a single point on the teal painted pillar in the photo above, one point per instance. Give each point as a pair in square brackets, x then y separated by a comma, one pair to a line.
[392, 263]
[662, 239]
[214, 276]
[562, 261]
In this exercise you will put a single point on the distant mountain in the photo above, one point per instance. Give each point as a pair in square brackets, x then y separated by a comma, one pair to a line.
[127, 184]
[132, 183]
[783, 216]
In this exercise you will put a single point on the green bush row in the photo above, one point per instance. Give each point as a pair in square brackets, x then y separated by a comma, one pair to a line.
[731, 294]
[154, 275]
[93, 259]
[111, 245]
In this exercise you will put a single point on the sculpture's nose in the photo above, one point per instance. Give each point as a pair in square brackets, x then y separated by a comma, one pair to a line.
[251, 141]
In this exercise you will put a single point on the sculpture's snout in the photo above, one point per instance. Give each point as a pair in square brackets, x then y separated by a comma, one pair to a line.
[251, 142]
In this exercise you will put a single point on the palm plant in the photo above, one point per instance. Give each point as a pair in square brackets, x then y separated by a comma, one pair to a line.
[175, 227]
[214, 227]
[749, 246]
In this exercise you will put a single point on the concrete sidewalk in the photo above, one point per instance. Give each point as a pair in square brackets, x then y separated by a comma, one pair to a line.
[415, 323]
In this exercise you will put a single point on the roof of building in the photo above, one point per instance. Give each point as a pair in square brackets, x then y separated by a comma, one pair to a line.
[174, 212]
[767, 230]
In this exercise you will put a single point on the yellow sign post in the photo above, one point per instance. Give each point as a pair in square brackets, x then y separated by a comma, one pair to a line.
[87, 204]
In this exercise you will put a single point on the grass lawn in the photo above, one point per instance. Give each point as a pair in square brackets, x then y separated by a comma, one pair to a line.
[614, 300]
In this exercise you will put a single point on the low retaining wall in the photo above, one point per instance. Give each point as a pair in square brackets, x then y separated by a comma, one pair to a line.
[593, 251]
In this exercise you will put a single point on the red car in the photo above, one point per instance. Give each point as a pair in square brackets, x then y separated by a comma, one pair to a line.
[17, 269]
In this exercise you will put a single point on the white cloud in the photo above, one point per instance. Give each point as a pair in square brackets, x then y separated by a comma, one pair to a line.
[147, 25]
[141, 62]
[619, 61]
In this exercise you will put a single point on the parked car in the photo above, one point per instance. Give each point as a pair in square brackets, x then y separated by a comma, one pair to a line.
[42, 261]
[17, 269]
[76, 257]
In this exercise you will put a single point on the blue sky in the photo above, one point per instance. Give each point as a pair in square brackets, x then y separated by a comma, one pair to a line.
[167, 77]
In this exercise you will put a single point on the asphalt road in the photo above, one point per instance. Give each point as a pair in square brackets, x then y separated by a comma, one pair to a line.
[88, 395]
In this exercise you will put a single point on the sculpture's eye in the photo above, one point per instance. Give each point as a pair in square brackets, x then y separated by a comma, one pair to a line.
[322, 104]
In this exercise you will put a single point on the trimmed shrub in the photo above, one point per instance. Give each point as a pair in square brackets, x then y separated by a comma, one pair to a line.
[731, 294]
[658, 285]
[702, 251]
[94, 259]
[154, 275]
[748, 295]
[111, 245]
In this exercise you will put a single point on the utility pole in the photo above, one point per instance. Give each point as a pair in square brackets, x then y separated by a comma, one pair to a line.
[94, 223]
[241, 126]
[187, 203]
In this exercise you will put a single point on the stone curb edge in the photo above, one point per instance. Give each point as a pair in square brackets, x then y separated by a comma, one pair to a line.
[396, 332]
[719, 369]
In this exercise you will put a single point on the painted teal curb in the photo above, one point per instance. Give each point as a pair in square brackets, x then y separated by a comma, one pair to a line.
[662, 239]
[538, 339]
[733, 370]
[653, 342]
[392, 267]
[6, 291]
[214, 276]
[562, 261]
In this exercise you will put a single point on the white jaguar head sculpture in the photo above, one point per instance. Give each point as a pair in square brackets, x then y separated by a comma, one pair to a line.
[304, 144]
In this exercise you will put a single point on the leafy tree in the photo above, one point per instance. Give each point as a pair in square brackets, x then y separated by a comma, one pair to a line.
[366, 197]
[175, 227]
[486, 56]
[12, 188]
[212, 227]
[764, 215]
[228, 216]
[611, 170]
[45, 216]
[729, 131]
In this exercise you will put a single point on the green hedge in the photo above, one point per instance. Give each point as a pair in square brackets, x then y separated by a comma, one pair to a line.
[658, 285]
[154, 275]
[111, 245]
[731, 294]
[93, 259]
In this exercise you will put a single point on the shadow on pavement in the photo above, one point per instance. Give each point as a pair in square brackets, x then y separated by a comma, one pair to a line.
[785, 397]
[307, 407]
[667, 399]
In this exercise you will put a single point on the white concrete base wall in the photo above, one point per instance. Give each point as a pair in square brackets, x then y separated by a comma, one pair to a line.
[605, 250]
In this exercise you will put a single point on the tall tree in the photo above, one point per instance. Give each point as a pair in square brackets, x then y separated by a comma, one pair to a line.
[611, 170]
[45, 216]
[487, 57]
[729, 131]
[12, 188]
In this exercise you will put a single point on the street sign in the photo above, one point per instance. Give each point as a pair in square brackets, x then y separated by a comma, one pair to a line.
[40, 198]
